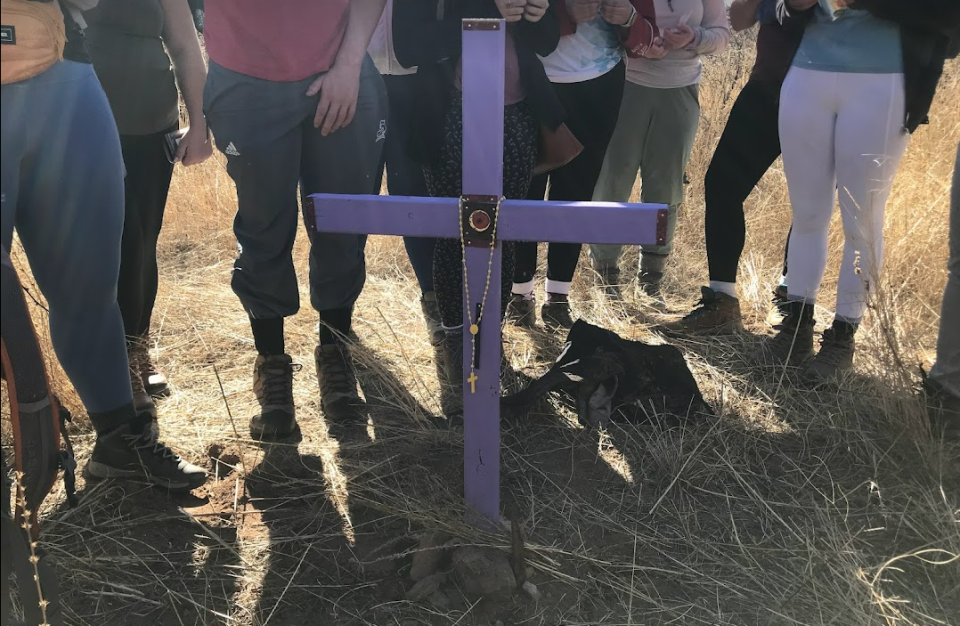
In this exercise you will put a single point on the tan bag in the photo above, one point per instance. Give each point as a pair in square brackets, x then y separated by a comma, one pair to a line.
[557, 148]
[33, 37]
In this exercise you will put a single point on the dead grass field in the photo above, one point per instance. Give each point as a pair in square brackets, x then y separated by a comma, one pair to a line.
[790, 508]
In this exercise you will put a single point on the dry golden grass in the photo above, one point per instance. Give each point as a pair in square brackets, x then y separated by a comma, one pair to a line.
[791, 508]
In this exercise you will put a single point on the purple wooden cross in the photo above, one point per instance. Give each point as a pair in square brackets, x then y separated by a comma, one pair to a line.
[471, 215]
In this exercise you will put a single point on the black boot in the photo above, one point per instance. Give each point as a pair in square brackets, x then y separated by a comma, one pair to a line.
[793, 343]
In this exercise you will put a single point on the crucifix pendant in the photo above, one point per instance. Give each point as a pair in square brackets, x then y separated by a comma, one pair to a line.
[473, 382]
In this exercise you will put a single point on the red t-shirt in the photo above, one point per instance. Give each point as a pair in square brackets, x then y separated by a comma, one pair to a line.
[279, 40]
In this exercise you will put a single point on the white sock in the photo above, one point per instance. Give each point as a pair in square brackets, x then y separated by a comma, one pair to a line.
[557, 287]
[729, 289]
[524, 289]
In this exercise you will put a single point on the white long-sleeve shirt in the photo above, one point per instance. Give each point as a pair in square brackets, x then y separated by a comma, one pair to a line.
[381, 46]
[681, 68]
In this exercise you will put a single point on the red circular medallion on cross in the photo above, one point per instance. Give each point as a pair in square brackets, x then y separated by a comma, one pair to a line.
[480, 221]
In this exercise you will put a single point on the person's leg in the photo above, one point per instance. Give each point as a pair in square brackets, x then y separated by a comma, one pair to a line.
[665, 154]
[520, 141]
[146, 186]
[869, 143]
[808, 106]
[526, 251]
[621, 163]
[344, 162]
[749, 145]
[69, 216]
[404, 174]
[593, 108]
[263, 159]
[946, 371]
[522, 306]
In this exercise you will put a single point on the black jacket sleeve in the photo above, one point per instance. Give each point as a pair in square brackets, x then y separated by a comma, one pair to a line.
[541, 37]
[418, 37]
[941, 16]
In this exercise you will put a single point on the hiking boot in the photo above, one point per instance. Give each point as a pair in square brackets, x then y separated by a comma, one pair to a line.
[273, 386]
[556, 313]
[431, 315]
[835, 357]
[943, 409]
[338, 383]
[793, 343]
[781, 306]
[648, 283]
[716, 313]
[451, 374]
[126, 453]
[522, 310]
[153, 381]
[610, 281]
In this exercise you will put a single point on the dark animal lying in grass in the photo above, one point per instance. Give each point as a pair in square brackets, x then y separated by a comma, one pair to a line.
[608, 375]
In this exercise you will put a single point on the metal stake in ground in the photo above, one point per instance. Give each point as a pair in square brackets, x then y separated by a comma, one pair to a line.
[483, 221]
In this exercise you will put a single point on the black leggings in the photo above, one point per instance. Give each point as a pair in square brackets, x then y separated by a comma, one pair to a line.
[146, 186]
[443, 179]
[748, 147]
[593, 107]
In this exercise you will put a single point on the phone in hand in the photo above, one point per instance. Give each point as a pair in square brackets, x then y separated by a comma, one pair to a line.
[172, 143]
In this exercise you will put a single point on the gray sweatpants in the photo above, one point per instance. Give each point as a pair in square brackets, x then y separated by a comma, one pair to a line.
[946, 372]
[265, 129]
[655, 135]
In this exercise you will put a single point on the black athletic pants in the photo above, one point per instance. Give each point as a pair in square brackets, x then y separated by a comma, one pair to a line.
[145, 196]
[593, 107]
[748, 147]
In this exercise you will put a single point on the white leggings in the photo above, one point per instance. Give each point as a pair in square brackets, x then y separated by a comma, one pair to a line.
[840, 131]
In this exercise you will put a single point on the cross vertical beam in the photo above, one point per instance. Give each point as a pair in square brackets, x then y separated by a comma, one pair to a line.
[483, 58]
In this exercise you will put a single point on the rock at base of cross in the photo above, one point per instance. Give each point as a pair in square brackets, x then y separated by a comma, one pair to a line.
[429, 556]
[427, 587]
[483, 572]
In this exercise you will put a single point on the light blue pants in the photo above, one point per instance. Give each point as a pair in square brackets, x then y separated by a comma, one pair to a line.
[655, 135]
[62, 184]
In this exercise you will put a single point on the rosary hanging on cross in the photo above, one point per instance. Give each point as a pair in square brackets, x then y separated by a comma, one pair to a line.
[479, 217]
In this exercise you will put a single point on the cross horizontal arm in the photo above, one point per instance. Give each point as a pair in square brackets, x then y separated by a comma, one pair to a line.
[583, 222]
[519, 220]
[385, 215]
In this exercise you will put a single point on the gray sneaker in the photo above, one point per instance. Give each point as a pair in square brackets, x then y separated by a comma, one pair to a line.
[124, 453]
[273, 386]
[715, 314]
[338, 383]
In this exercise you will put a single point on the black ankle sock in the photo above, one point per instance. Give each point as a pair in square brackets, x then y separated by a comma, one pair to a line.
[845, 329]
[268, 335]
[108, 421]
[335, 322]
